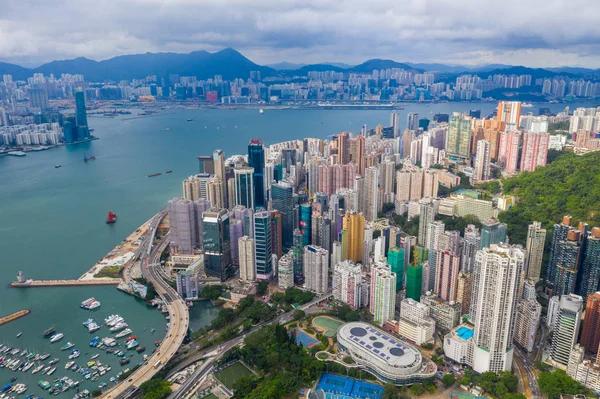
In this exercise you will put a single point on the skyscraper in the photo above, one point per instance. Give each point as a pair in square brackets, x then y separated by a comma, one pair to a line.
[38, 98]
[590, 268]
[458, 138]
[383, 293]
[347, 279]
[354, 225]
[183, 225]
[263, 245]
[372, 193]
[509, 112]
[536, 238]
[246, 251]
[297, 257]
[256, 160]
[217, 244]
[527, 322]
[482, 161]
[219, 166]
[471, 244]
[446, 275]
[566, 328]
[244, 187]
[497, 273]
[427, 216]
[395, 259]
[286, 271]
[316, 269]
[435, 230]
[508, 152]
[412, 121]
[492, 232]
[395, 123]
[535, 150]
[414, 278]
[565, 257]
[80, 112]
[590, 336]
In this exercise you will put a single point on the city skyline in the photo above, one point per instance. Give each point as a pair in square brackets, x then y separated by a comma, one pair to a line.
[307, 33]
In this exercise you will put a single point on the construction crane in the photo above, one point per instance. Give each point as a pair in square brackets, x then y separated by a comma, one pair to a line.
[311, 196]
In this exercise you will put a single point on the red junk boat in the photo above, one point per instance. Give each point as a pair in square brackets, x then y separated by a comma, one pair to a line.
[112, 217]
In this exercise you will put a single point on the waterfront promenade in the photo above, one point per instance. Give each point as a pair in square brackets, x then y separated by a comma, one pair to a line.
[65, 283]
[14, 316]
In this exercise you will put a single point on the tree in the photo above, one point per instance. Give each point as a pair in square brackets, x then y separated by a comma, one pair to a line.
[390, 391]
[448, 380]
[261, 287]
[96, 393]
[417, 389]
[555, 383]
[299, 314]
[155, 389]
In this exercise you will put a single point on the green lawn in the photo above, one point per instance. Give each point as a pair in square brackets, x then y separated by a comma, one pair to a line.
[329, 324]
[230, 374]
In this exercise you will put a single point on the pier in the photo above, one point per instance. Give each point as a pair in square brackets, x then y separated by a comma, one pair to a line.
[64, 283]
[14, 316]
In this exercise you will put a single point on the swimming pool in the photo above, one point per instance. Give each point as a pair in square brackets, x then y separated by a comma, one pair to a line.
[465, 333]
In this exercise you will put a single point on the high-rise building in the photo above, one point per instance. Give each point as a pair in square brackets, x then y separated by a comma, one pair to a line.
[244, 187]
[430, 183]
[306, 223]
[395, 259]
[286, 271]
[509, 112]
[566, 328]
[263, 245]
[219, 166]
[590, 267]
[316, 269]
[590, 336]
[535, 150]
[527, 322]
[446, 275]
[471, 244]
[395, 123]
[508, 152]
[80, 111]
[536, 238]
[414, 277]
[183, 225]
[256, 160]
[492, 232]
[206, 164]
[187, 284]
[427, 215]
[38, 98]
[463, 292]
[383, 294]
[297, 257]
[347, 279]
[496, 281]
[565, 257]
[435, 230]
[409, 185]
[412, 121]
[371, 193]
[246, 256]
[482, 161]
[354, 226]
[458, 138]
[217, 243]
[387, 174]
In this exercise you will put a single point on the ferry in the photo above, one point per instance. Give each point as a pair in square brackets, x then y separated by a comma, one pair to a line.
[68, 345]
[56, 337]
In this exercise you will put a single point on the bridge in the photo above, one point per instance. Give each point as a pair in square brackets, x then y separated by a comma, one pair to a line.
[149, 255]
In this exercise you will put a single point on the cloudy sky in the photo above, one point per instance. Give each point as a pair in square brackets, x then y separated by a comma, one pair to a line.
[535, 33]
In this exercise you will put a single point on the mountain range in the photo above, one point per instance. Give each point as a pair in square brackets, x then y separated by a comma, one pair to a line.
[230, 64]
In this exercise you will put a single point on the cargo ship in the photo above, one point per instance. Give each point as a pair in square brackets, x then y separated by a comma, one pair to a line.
[112, 218]
[154, 174]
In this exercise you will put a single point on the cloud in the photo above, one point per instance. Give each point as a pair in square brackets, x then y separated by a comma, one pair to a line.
[528, 32]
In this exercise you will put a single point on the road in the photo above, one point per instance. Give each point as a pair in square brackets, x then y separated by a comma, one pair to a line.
[202, 371]
[179, 317]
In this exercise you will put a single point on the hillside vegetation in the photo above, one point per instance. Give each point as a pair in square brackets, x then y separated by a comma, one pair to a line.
[570, 185]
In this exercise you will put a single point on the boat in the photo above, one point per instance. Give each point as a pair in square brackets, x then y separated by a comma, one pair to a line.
[66, 346]
[44, 384]
[140, 349]
[111, 218]
[124, 333]
[56, 337]
[19, 334]
[74, 354]
[167, 129]
[57, 166]
[86, 158]
[93, 327]
[53, 361]
[261, 111]
[154, 174]
[6, 387]
[91, 303]
[124, 361]
[51, 371]
[169, 171]
[45, 356]
[152, 330]
[117, 319]
[38, 368]
[94, 342]
[28, 366]
[13, 379]
[131, 344]
[95, 356]
[119, 326]
[190, 119]
[109, 341]
[49, 332]
[87, 322]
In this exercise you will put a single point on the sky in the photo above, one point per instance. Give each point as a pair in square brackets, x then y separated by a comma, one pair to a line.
[535, 33]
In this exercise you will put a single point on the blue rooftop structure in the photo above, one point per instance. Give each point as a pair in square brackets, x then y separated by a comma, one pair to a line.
[338, 387]
[465, 333]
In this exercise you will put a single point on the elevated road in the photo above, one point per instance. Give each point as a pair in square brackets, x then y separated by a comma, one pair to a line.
[149, 253]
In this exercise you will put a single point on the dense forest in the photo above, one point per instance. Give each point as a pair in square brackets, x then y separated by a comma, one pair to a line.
[570, 185]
